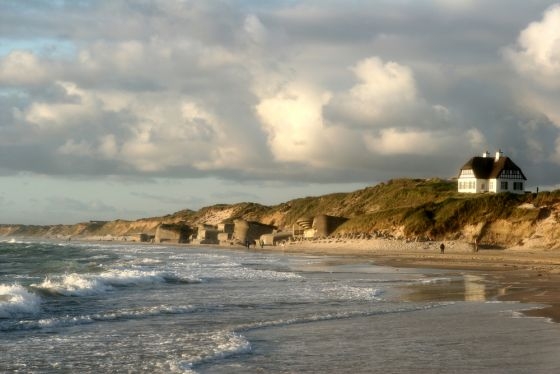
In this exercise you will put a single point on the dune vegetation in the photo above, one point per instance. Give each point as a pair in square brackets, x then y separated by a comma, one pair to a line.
[412, 209]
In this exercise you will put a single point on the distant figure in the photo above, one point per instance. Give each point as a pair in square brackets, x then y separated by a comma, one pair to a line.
[442, 248]
[475, 245]
[247, 243]
[261, 243]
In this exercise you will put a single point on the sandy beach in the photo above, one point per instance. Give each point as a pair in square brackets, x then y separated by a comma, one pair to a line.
[527, 275]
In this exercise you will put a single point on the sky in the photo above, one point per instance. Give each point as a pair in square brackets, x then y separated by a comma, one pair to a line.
[130, 109]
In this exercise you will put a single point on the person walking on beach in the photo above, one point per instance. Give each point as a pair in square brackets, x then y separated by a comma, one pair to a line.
[441, 248]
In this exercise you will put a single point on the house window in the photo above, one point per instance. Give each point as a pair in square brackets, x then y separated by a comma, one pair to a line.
[518, 186]
[504, 185]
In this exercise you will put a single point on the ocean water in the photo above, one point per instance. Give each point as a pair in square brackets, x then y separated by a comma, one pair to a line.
[123, 308]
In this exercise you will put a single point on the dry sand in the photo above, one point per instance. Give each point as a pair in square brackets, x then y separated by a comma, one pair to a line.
[528, 275]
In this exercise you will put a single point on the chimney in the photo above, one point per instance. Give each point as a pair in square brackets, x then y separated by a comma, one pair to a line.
[499, 154]
[486, 154]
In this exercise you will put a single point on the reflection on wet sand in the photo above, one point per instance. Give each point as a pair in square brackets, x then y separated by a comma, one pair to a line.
[475, 289]
[452, 287]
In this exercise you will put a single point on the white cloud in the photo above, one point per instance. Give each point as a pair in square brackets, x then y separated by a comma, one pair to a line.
[383, 91]
[147, 132]
[293, 121]
[79, 107]
[393, 141]
[536, 59]
[387, 83]
[383, 114]
[174, 133]
[22, 68]
[537, 55]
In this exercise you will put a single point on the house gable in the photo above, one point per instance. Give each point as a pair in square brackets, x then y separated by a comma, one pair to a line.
[507, 169]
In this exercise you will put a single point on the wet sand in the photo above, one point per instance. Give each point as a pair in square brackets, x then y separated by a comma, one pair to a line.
[526, 275]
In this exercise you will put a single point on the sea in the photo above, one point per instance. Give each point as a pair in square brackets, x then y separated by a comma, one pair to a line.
[78, 307]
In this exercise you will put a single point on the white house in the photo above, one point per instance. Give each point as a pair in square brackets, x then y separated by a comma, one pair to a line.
[491, 174]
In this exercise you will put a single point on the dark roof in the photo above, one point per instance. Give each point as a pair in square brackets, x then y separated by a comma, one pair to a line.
[489, 168]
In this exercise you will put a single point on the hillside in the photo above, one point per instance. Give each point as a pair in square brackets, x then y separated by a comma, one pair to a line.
[410, 209]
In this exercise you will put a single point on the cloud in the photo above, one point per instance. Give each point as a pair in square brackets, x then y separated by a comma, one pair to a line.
[392, 141]
[77, 107]
[536, 60]
[382, 91]
[22, 68]
[537, 54]
[255, 29]
[65, 203]
[239, 195]
[381, 114]
[178, 201]
[293, 121]
[294, 91]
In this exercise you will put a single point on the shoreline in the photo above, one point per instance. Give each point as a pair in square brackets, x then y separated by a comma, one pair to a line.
[527, 275]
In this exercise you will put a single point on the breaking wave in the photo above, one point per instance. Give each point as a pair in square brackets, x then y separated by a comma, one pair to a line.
[91, 284]
[16, 301]
[121, 314]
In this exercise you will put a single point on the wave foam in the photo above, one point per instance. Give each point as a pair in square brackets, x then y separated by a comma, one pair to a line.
[220, 345]
[353, 293]
[436, 280]
[144, 312]
[235, 271]
[335, 316]
[72, 285]
[130, 277]
[122, 314]
[91, 284]
[16, 301]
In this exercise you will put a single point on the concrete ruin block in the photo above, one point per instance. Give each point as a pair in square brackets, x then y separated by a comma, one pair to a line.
[172, 233]
[250, 231]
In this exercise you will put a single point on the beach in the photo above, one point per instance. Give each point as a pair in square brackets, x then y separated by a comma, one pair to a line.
[527, 275]
[524, 274]
[149, 308]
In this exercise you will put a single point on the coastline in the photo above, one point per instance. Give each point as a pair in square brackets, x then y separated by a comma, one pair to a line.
[528, 275]
[525, 275]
